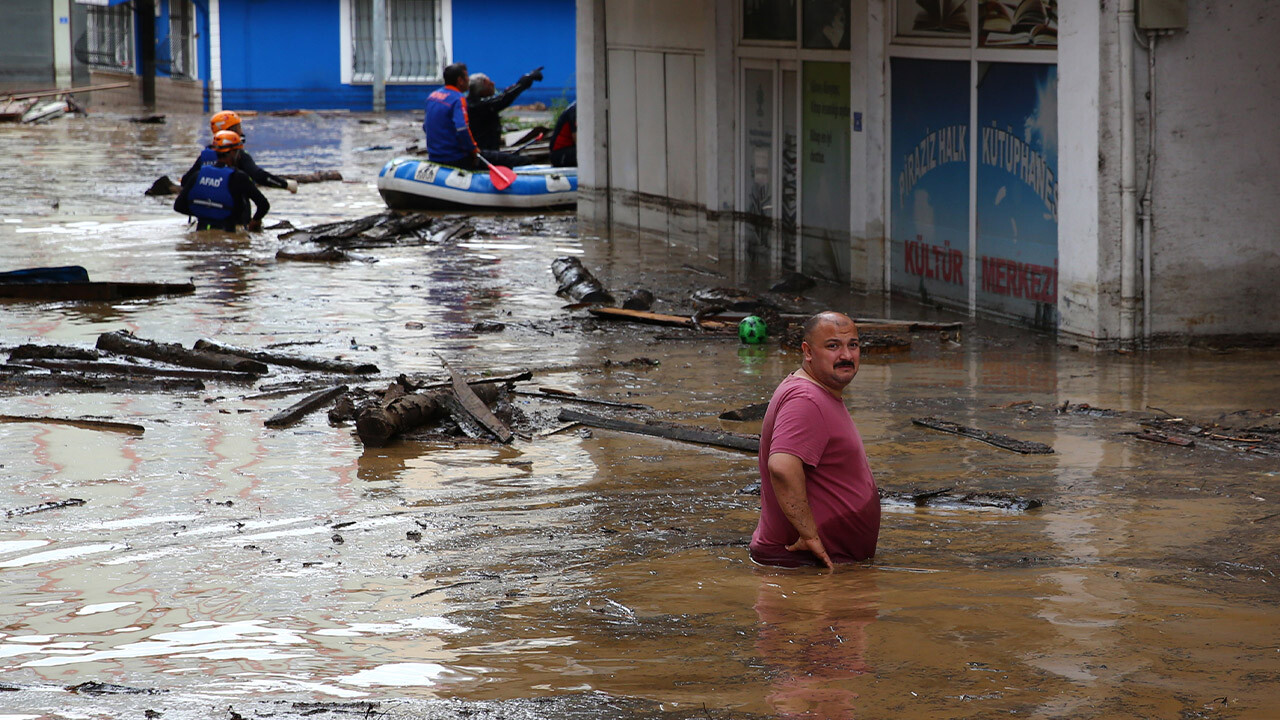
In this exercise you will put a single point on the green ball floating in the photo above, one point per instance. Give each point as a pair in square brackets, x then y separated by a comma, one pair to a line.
[753, 330]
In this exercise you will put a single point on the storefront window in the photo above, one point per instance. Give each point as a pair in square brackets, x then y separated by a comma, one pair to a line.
[824, 162]
[1018, 23]
[933, 18]
[826, 24]
[769, 20]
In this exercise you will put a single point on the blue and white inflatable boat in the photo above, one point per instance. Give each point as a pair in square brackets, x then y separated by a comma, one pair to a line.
[414, 184]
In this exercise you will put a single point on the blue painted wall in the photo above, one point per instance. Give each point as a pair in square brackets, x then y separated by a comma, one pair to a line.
[286, 54]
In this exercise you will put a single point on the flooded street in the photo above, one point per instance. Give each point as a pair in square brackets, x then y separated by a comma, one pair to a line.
[219, 568]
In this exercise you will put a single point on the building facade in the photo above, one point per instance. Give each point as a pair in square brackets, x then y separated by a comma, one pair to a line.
[1097, 170]
[281, 54]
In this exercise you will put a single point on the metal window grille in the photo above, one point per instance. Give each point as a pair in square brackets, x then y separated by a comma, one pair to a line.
[413, 28]
[109, 37]
[181, 28]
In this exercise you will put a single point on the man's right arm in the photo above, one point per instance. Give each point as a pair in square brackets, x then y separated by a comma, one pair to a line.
[786, 475]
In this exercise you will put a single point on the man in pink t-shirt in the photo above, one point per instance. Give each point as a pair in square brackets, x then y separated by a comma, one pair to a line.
[818, 500]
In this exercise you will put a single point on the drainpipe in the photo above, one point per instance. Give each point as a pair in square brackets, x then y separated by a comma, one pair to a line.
[1147, 190]
[1128, 190]
[145, 12]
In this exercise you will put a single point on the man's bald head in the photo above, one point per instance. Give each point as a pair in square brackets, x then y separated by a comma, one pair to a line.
[838, 319]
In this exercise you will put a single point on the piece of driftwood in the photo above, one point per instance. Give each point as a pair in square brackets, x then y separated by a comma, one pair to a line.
[378, 424]
[755, 411]
[41, 507]
[92, 290]
[946, 498]
[27, 383]
[303, 407]
[315, 177]
[671, 431]
[1159, 437]
[475, 407]
[53, 352]
[418, 386]
[126, 343]
[651, 318]
[566, 396]
[125, 369]
[1026, 447]
[331, 254]
[576, 282]
[298, 361]
[453, 231]
[106, 425]
[162, 186]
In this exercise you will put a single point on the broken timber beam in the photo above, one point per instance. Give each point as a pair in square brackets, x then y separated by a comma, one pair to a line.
[125, 369]
[378, 424]
[298, 361]
[1026, 447]
[125, 343]
[300, 409]
[671, 431]
[85, 424]
[651, 318]
[476, 408]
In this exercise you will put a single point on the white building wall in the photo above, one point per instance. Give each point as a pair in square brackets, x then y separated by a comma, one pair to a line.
[1216, 241]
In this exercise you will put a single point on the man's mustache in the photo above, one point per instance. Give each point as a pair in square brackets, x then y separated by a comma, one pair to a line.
[845, 364]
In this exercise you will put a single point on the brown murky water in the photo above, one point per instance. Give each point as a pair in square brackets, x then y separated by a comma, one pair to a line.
[226, 565]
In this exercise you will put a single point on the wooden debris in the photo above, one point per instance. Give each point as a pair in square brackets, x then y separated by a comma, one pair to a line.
[476, 408]
[651, 318]
[304, 363]
[1005, 442]
[671, 431]
[53, 352]
[378, 424]
[125, 343]
[417, 385]
[455, 231]
[51, 505]
[326, 255]
[754, 411]
[946, 498]
[92, 290]
[162, 186]
[566, 396]
[85, 424]
[30, 383]
[576, 282]
[1159, 437]
[303, 407]
[125, 369]
[315, 177]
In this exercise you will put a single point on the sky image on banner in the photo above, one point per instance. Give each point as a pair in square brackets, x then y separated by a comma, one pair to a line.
[1017, 197]
[930, 178]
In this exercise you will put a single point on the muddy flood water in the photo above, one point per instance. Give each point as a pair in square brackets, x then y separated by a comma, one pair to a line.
[220, 568]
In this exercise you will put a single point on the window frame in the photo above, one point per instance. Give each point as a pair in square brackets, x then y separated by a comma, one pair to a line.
[443, 42]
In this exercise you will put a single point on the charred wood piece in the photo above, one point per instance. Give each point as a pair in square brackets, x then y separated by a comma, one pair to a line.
[1025, 447]
[51, 505]
[85, 424]
[670, 431]
[577, 283]
[127, 370]
[125, 343]
[52, 352]
[297, 361]
[305, 406]
[379, 424]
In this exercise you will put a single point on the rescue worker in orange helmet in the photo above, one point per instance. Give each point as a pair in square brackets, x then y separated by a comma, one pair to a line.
[230, 120]
[218, 195]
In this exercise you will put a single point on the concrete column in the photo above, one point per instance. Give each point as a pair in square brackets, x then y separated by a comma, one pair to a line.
[145, 13]
[378, 37]
[62, 44]
[722, 134]
[593, 117]
[215, 56]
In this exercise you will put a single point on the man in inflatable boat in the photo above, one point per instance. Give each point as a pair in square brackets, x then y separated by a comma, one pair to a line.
[447, 126]
[484, 105]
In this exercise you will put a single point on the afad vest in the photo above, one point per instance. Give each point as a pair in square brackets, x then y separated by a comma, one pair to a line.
[210, 197]
[208, 156]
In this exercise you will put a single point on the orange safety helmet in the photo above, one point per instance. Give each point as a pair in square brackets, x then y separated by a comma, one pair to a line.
[224, 120]
[225, 141]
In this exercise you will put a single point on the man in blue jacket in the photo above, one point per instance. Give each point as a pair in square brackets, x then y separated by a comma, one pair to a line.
[218, 195]
[449, 140]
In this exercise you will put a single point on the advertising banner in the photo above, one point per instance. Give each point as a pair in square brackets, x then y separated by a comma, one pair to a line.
[1017, 197]
[929, 147]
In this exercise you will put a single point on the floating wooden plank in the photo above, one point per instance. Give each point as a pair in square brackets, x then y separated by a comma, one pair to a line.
[125, 369]
[306, 405]
[1005, 442]
[92, 290]
[85, 424]
[671, 431]
[125, 343]
[51, 505]
[417, 385]
[566, 396]
[30, 383]
[476, 408]
[652, 318]
[1159, 437]
[298, 361]
[946, 498]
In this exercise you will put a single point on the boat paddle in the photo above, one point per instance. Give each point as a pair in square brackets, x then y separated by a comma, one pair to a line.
[501, 177]
[527, 143]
